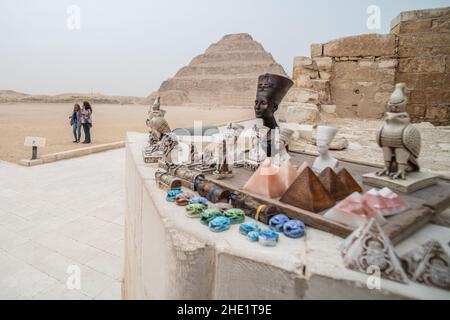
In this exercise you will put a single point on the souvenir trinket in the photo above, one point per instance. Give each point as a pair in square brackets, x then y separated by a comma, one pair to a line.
[350, 183]
[195, 210]
[166, 181]
[307, 192]
[219, 224]
[199, 200]
[235, 215]
[245, 228]
[255, 209]
[333, 184]
[385, 202]
[266, 181]
[268, 238]
[325, 135]
[428, 264]
[277, 222]
[183, 199]
[294, 229]
[253, 236]
[223, 169]
[368, 249]
[209, 214]
[171, 194]
[212, 192]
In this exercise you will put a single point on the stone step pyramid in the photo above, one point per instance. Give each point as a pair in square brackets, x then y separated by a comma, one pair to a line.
[349, 181]
[369, 250]
[428, 264]
[226, 74]
[333, 184]
[308, 193]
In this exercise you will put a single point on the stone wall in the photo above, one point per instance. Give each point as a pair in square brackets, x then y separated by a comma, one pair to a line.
[354, 76]
[424, 62]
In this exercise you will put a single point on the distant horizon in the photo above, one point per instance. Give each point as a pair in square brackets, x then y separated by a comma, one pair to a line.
[115, 48]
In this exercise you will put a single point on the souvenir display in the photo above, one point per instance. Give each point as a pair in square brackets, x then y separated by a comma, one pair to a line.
[385, 202]
[325, 135]
[354, 211]
[195, 210]
[235, 215]
[219, 224]
[428, 264]
[350, 184]
[266, 181]
[277, 222]
[172, 194]
[268, 238]
[333, 184]
[245, 228]
[368, 248]
[270, 92]
[209, 214]
[294, 229]
[400, 141]
[165, 181]
[307, 192]
[288, 173]
[183, 199]
[198, 200]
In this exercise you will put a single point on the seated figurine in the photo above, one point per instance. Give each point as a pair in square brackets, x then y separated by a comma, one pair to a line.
[325, 135]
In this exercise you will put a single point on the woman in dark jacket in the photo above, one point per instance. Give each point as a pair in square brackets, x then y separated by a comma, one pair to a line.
[86, 121]
[75, 122]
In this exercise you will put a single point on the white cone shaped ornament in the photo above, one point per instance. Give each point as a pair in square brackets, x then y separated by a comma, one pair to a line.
[368, 249]
[428, 264]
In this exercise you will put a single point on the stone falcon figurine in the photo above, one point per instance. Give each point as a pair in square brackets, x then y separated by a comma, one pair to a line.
[398, 138]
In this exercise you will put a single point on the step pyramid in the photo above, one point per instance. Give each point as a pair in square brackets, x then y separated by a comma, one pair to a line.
[368, 250]
[333, 184]
[266, 181]
[307, 192]
[349, 181]
[428, 264]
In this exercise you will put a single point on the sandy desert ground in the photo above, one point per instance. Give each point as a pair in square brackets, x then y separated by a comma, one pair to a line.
[111, 122]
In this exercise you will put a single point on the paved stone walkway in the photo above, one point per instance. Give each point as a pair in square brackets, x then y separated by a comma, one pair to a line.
[58, 219]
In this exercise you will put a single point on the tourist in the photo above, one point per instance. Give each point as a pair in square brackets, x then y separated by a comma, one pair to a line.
[86, 121]
[75, 122]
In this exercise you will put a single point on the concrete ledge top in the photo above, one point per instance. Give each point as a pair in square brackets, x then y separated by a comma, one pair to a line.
[316, 254]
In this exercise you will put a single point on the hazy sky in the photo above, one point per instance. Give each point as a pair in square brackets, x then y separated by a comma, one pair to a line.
[129, 47]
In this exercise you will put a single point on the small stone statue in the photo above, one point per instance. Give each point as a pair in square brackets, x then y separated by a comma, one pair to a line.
[223, 169]
[160, 143]
[325, 135]
[398, 138]
[232, 133]
[270, 92]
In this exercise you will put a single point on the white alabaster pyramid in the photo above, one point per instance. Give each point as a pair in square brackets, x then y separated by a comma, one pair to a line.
[368, 249]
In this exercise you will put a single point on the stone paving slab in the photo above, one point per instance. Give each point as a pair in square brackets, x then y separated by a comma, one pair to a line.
[56, 215]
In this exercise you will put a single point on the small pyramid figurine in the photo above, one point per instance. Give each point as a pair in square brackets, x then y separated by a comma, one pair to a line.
[333, 184]
[307, 192]
[325, 135]
[368, 248]
[266, 181]
[428, 264]
[349, 181]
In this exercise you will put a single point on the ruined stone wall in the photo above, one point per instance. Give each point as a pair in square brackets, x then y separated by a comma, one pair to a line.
[424, 62]
[354, 76]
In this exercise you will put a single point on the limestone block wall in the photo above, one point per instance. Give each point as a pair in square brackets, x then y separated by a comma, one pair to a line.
[424, 62]
[356, 75]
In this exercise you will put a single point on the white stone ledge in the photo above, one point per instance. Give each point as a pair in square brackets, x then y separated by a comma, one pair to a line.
[170, 256]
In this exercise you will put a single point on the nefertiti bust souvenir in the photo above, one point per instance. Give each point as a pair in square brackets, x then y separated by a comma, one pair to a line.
[270, 92]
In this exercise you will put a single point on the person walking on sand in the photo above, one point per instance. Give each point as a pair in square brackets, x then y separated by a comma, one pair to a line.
[86, 121]
[75, 122]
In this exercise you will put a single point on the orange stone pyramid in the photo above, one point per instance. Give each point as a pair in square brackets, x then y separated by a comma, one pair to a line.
[333, 184]
[266, 181]
[288, 173]
[349, 182]
[308, 193]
